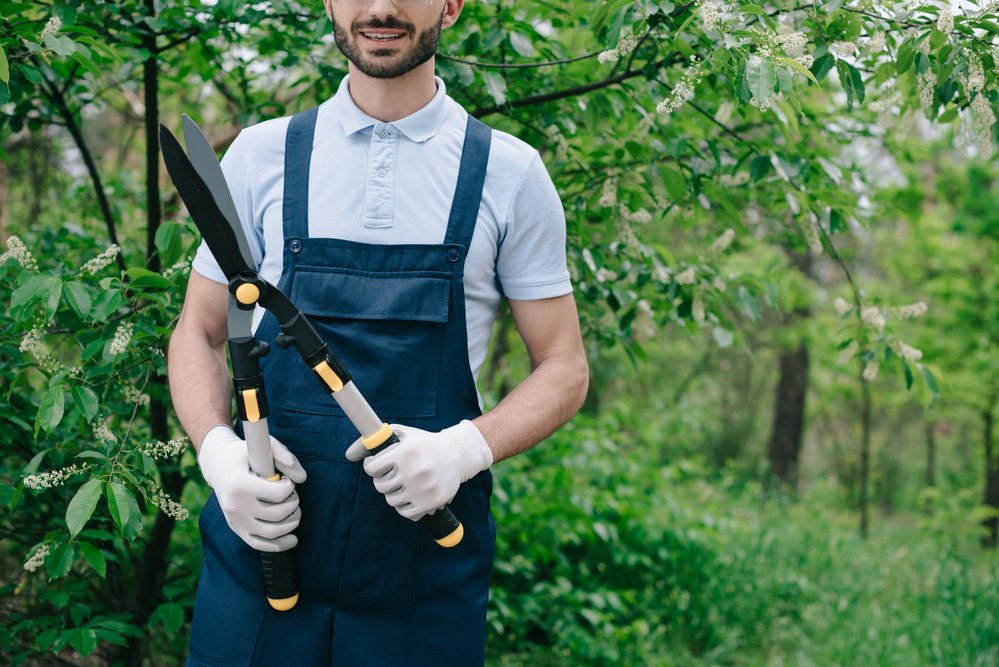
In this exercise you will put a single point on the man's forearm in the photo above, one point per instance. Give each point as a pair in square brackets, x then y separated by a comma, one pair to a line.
[545, 400]
[199, 384]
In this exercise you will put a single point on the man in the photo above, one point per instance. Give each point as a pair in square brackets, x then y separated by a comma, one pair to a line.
[395, 223]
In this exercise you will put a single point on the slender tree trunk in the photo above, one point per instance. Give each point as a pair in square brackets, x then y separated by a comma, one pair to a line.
[865, 455]
[784, 448]
[787, 436]
[930, 428]
[151, 571]
[991, 539]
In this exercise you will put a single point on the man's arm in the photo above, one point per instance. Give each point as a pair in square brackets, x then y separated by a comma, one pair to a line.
[556, 386]
[199, 378]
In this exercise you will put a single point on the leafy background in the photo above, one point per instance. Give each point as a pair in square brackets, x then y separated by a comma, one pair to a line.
[784, 243]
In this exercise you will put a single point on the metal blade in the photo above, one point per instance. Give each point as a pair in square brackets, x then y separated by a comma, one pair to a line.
[216, 230]
[207, 165]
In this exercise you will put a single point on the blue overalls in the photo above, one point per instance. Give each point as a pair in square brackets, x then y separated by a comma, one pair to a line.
[375, 588]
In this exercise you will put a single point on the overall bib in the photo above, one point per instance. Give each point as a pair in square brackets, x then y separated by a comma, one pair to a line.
[375, 588]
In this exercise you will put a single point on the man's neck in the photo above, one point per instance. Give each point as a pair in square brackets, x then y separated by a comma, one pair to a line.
[389, 100]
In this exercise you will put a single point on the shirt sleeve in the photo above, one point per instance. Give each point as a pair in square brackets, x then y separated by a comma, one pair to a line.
[531, 261]
[236, 168]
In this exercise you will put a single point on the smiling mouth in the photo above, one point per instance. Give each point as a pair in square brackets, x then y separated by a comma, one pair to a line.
[382, 37]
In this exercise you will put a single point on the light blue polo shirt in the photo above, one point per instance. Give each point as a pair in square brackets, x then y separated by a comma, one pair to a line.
[392, 183]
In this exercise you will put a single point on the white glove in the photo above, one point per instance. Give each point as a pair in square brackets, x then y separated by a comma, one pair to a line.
[262, 513]
[422, 472]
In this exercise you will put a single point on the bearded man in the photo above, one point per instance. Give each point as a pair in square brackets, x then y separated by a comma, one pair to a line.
[396, 223]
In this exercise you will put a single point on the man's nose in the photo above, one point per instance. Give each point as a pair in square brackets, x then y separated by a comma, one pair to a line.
[382, 8]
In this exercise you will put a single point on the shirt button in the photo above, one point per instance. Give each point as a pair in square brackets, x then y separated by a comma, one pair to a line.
[386, 135]
[382, 172]
[295, 246]
[453, 255]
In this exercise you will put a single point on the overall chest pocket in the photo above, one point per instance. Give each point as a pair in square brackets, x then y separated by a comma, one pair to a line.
[386, 327]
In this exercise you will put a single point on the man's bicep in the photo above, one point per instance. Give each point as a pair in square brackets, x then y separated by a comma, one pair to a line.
[549, 327]
[204, 312]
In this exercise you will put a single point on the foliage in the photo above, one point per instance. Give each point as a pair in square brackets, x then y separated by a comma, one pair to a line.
[699, 148]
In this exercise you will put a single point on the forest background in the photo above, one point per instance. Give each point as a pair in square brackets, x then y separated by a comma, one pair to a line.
[784, 240]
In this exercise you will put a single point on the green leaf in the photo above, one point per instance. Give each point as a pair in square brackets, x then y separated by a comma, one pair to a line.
[522, 44]
[118, 504]
[145, 278]
[52, 407]
[94, 558]
[4, 67]
[58, 562]
[906, 56]
[930, 380]
[908, 376]
[742, 90]
[496, 85]
[761, 76]
[106, 304]
[798, 67]
[61, 45]
[676, 184]
[86, 400]
[82, 506]
[78, 297]
[32, 289]
[753, 9]
[84, 640]
[54, 295]
[852, 82]
[170, 614]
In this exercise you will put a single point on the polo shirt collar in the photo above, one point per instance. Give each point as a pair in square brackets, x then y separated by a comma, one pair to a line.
[417, 127]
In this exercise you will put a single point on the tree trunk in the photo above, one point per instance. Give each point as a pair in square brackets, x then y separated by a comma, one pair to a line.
[991, 539]
[787, 436]
[865, 454]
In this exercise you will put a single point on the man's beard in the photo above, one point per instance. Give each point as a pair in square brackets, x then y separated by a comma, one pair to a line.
[422, 51]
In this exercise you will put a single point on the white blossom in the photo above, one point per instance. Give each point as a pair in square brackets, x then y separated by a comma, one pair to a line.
[684, 90]
[608, 196]
[17, 251]
[793, 43]
[876, 43]
[710, 13]
[905, 351]
[102, 260]
[907, 312]
[975, 80]
[103, 433]
[722, 243]
[50, 478]
[871, 371]
[53, 26]
[169, 506]
[686, 277]
[37, 558]
[697, 309]
[724, 113]
[627, 44]
[945, 22]
[873, 318]
[161, 450]
[806, 61]
[122, 336]
[841, 306]
[927, 82]
[842, 49]
[608, 56]
[984, 119]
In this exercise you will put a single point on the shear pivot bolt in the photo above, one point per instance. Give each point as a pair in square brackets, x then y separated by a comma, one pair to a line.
[247, 293]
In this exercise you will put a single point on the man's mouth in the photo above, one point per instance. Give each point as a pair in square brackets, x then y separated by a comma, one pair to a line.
[382, 36]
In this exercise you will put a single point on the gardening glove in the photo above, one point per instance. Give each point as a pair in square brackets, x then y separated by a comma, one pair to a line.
[422, 472]
[262, 513]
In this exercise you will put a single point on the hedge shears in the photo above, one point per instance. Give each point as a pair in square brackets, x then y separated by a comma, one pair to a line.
[202, 186]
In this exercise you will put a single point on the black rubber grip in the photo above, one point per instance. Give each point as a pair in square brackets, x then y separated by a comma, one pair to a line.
[280, 580]
[441, 523]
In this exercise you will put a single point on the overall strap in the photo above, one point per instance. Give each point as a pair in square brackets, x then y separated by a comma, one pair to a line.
[471, 177]
[297, 161]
